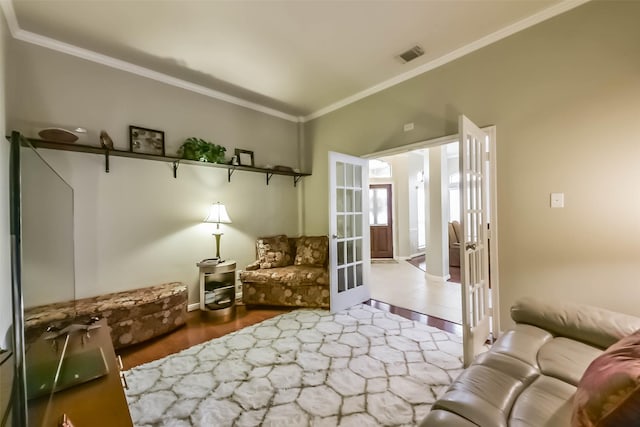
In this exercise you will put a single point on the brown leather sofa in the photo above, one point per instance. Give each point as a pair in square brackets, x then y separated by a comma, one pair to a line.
[530, 375]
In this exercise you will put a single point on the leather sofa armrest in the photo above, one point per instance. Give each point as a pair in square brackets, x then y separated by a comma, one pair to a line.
[588, 324]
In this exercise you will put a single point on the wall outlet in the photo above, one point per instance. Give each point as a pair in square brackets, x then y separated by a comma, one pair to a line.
[407, 127]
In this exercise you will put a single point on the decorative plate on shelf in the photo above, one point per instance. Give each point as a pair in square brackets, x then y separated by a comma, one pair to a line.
[58, 135]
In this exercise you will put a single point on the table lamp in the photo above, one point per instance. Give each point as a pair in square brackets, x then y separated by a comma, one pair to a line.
[218, 215]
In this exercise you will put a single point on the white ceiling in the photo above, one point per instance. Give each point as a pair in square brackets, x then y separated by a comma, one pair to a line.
[300, 58]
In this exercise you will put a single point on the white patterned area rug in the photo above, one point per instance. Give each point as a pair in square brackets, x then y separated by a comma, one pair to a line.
[358, 367]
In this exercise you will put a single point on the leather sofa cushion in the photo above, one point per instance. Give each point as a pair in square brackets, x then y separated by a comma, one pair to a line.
[446, 418]
[592, 325]
[566, 359]
[523, 343]
[482, 394]
[545, 403]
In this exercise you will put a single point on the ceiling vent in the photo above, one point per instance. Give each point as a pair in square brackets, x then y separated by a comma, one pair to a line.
[411, 54]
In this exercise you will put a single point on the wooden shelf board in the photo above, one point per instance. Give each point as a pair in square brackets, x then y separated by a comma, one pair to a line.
[81, 148]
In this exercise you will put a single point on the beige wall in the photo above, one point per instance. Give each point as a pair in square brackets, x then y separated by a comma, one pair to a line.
[138, 225]
[565, 96]
[5, 254]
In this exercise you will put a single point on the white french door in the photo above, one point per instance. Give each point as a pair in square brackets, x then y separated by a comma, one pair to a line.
[349, 250]
[474, 260]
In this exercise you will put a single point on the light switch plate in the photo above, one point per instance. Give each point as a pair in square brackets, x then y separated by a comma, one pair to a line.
[557, 200]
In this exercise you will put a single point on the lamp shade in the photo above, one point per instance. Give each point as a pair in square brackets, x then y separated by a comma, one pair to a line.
[218, 214]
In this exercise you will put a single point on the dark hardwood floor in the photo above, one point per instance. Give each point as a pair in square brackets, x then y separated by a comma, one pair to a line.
[436, 322]
[200, 328]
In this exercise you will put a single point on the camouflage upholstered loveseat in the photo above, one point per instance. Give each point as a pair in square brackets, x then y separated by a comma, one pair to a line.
[288, 272]
[133, 316]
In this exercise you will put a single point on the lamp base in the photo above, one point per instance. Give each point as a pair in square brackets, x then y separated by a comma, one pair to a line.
[217, 236]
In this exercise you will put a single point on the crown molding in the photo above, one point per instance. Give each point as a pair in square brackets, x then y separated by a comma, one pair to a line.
[69, 49]
[10, 16]
[523, 24]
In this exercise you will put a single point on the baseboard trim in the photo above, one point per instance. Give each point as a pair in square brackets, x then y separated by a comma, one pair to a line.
[193, 307]
[437, 278]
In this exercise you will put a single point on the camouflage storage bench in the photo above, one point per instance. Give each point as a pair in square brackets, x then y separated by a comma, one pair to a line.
[288, 272]
[133, 316]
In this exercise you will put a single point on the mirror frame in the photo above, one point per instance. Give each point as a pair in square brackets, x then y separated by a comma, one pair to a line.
[19, 398]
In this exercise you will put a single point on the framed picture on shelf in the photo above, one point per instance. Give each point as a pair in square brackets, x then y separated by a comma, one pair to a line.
[245, 157]
[146, 141]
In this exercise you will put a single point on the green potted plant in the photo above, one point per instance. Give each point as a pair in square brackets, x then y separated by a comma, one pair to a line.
[198, 149]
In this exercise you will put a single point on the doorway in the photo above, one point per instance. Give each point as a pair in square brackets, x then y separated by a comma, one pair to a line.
[442, 296]
[381, 220]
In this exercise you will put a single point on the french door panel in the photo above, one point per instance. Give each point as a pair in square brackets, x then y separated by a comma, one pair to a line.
[349, 248]
[474, 266]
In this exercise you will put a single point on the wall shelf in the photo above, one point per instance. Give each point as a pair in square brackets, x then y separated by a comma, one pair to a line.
[80, 148]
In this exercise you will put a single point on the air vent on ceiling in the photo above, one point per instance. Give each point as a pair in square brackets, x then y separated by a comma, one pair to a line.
[411, 54]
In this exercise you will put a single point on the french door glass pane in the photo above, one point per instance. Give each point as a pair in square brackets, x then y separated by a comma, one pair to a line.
[358, 176]
[358, 224]
[349, 201]
[341, 281]
[340, 228]
[340, 174]
[359, 274]
[358, 201]
[339, 200]
[340, 253]
[350, 251]
[349, 225]
[351, 280]
[349, 175]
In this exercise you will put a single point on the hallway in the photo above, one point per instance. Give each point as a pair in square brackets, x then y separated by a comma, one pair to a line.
[404, 285]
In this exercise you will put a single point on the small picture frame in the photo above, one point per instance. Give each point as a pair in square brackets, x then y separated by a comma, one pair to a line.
[146, 141]
[245, 157]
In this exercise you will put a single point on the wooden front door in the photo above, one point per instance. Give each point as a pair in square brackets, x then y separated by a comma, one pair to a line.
[380, 221]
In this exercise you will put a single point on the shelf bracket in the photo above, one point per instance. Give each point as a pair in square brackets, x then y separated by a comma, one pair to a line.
[269, 175]
[106, 160]
[230, 172]
[176, 163]
[296, 178]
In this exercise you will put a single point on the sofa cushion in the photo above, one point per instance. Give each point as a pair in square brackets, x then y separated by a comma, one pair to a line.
[545, 403]
[591, 325]
[482, 395]
[566, 359]
[608, 394]
[312, 250]
[273, 251]
[290, 275]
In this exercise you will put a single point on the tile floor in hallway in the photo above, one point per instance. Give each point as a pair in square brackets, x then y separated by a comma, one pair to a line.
[404, 285]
